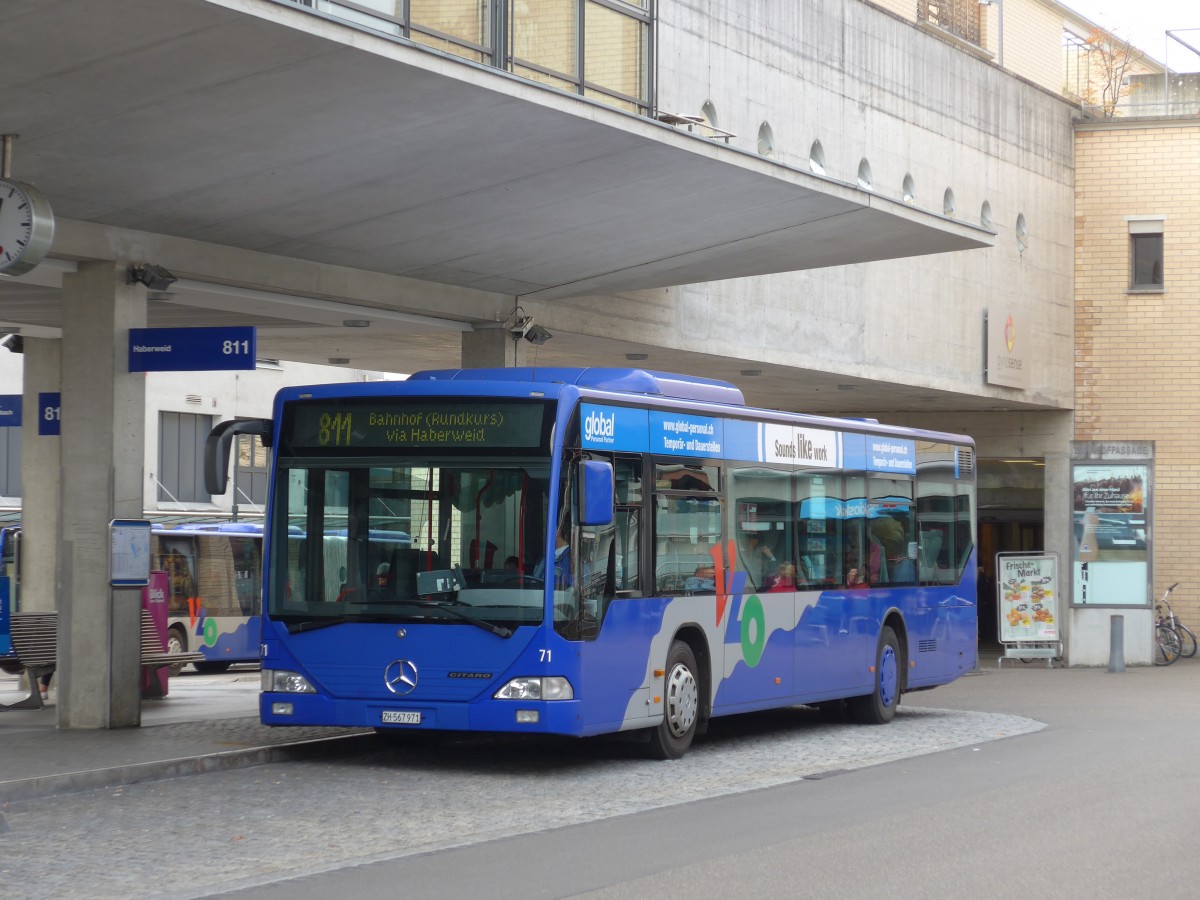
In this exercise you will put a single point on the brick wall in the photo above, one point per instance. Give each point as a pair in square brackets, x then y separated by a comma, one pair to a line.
[1137, 369]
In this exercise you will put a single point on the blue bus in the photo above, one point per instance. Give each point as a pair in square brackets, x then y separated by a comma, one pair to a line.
[10, 537]
[590, 551]
[214, 590]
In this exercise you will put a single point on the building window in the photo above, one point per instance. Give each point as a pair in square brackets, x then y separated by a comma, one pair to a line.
[598, 48]
[250, 471]
[1146, 254]
[181, 457]
[10, 462]
[959, 17]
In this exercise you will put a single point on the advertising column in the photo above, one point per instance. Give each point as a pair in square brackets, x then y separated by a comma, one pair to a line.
[1111, 565]
[1112, 508]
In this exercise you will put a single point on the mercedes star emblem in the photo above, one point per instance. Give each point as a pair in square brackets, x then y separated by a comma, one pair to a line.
[400, 676]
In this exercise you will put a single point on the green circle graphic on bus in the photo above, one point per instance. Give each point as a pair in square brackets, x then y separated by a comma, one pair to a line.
[754, 631]
[211, 631]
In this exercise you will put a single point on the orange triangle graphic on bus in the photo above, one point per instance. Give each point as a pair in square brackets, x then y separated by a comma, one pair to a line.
[719, 577]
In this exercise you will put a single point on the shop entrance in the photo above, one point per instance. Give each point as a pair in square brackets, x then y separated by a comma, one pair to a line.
[1012, 519]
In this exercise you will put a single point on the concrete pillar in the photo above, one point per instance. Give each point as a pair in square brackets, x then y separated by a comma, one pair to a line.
[41, 472]
[492, 348]
[1060, 532]
[102, 477]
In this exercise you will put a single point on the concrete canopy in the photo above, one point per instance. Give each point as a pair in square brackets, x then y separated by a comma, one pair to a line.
[263, 126]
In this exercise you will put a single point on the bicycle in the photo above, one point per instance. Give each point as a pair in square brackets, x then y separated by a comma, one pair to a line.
[1167, 642]
[1187, 640]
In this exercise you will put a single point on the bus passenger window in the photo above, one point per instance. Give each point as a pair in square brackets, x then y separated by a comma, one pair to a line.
[818, 561]
[762, 523]
[687, 524]
[890, 507]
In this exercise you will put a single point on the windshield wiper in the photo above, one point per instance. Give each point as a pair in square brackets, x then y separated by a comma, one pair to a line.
[498, 630]
[314, 624]
[326, 622]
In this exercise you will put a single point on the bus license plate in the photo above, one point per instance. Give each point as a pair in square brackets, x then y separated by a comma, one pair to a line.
[401, 717]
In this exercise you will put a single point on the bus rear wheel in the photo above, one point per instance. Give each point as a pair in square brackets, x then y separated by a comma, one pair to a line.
[176, 643]
[681, 705]
[879, 706]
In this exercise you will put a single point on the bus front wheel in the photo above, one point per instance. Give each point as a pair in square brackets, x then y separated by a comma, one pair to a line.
[879, 706]
[681, 705]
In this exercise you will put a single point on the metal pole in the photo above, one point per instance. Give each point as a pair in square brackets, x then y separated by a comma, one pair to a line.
[6, 152]
[1116, 644]
[237, 447]
[1000, 17]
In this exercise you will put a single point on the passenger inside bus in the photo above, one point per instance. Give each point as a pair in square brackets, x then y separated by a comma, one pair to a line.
[861, 569]
[758, 559]
[784, 579]
[704, 579]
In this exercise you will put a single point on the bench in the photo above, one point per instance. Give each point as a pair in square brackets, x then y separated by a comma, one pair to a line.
[35, 643]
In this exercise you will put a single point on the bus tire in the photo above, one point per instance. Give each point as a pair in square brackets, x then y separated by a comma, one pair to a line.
[681, 705]
[212, 668]
[176, 643]
[879, 706]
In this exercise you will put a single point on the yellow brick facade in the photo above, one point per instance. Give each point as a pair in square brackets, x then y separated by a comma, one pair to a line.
[1137, 373]
[1032, 41]
[1032, 33]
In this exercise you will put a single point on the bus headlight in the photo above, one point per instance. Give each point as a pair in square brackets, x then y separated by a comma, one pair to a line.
[275, 681]
[553, 687]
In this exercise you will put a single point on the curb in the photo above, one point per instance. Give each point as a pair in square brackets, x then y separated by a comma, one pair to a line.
[89, 779]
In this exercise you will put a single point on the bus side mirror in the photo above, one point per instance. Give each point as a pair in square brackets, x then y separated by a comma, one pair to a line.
[217, 444]
[595, 493]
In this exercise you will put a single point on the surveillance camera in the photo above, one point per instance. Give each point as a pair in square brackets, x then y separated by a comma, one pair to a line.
[537, 335]
[521, 327]
[155, 278]
[14, 343]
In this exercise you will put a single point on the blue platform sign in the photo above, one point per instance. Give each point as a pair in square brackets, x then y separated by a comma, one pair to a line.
[10, 410]
[191, 349]
[50, 412]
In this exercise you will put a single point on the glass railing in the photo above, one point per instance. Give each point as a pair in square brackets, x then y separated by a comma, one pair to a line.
[599, 49]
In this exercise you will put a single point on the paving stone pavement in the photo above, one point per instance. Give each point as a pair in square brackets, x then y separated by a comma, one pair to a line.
[206, 723]
[195, 836]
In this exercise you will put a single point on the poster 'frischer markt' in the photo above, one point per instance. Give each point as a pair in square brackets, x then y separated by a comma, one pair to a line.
[1028, 598]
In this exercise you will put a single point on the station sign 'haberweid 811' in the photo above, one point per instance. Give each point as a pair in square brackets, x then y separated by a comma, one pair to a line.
[191, 349]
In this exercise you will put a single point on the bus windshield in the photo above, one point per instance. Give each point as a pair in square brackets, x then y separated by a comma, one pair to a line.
[457, 542]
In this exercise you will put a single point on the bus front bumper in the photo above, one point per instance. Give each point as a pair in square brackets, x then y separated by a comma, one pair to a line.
[517, 716]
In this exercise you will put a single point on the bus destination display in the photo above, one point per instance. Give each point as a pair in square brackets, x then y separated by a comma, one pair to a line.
[379, 424]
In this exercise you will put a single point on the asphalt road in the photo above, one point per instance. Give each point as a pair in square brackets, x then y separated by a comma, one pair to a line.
[1098, 803]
